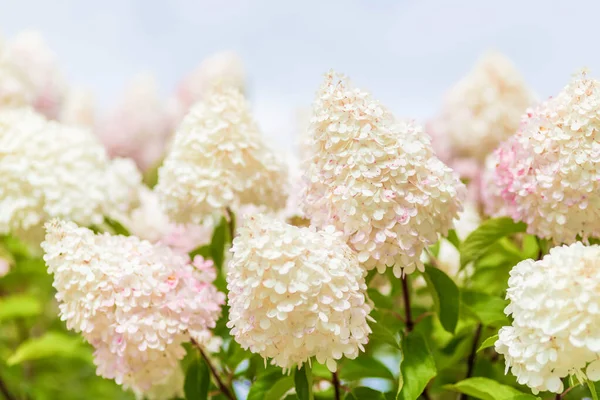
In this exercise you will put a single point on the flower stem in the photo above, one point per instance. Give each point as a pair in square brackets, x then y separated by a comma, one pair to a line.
[471, 361]
[406, 295]
[222, 387]
[336, 384]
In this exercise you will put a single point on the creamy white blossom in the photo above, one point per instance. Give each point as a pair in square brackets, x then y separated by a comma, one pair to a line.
[134, 301]
[296, 293]
[78, 108]
[547, 175]
[555, 305]
[481, 110]
[51, 170]
[218, 159]
[376, 179]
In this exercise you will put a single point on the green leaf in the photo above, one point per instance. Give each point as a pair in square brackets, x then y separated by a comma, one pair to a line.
[303, 383]
[271, 384]
[417, 367]
[453, 238]
[364, 367]
[592, 388]
[478, 242]
[116, 226]
[51, 344]
[489, 342]
[488, 389]
[488, 309]
[19, 306]
[219, 240]
[382, 334]
[197, 380]
[380, 300]
[364, 393]
[446, 297]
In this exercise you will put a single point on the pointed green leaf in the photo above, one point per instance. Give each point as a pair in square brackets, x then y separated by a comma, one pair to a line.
[364, 367]
[417, 367]
[364, 393]
[197, 380]
[487, 308]
[51, 344]
[382, 334]
[488, 389]
[446, 297]
[19, 306]
[477, 243]
[489, 342]
[303, 383]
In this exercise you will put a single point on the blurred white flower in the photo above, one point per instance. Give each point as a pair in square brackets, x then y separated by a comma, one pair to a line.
[481, 110]
[139, 126]
[547, 175]
[376, 179]
[4, 266]
[35, 71]
[555, 305]
[51, 170]
[135, 302]
[78, 108]
[225, 67]
[295, 293]
[218, 159]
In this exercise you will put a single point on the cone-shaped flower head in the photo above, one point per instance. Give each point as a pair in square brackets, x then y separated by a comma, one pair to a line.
[135, 302]
[51, 170]
[548, 174]
[482, 109]
[218, 159]
[555, 304]
[376, 179]
[296, 293]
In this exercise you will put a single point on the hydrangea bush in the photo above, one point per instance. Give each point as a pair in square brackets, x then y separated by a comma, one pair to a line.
[360, 271]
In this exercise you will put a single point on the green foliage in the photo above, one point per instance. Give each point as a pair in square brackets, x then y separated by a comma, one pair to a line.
[51, 344]
[490, 231]
[489, 342]
[19, 306]
[303, 383]
[487, 389]
[197, 380]
[417, 367]
[446, 297]
[364, 393]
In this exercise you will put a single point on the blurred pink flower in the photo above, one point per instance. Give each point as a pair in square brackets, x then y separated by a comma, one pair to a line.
[4, 266]
[139, 126]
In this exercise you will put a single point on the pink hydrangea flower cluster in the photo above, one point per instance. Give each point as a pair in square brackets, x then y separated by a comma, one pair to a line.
[376, 179]
[134, 301]
[547, 175]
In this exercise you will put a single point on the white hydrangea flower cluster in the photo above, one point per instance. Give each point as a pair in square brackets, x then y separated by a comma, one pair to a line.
[30, 75]
[376, 179]
[135, 302]
[482, 109]
[140, 125]
[555, 304]
[218, 159]
[296, 293]
[51, 170]
[547, 174]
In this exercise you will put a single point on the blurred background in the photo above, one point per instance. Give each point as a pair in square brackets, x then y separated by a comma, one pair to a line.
[407, 52]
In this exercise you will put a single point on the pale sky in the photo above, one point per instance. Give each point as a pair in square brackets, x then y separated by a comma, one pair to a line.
[406, 52]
